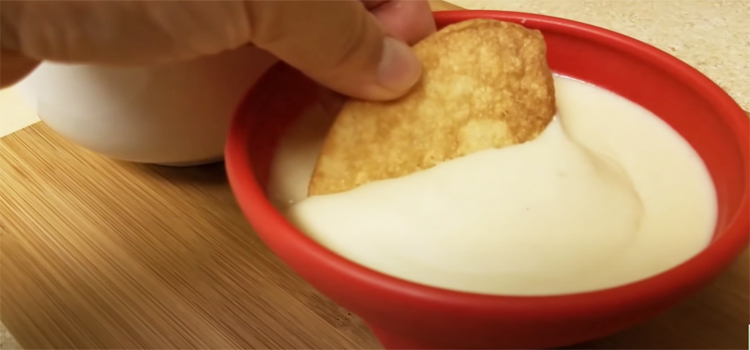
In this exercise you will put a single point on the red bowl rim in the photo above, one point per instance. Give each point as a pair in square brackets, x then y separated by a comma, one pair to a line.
[690, 274]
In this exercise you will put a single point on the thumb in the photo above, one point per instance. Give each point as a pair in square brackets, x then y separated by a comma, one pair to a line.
[337, 43]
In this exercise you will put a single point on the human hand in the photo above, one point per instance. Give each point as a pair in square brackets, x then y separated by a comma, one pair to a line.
[340, 43]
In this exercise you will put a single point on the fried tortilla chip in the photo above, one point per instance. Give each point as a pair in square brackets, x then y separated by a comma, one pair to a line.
[486, 84]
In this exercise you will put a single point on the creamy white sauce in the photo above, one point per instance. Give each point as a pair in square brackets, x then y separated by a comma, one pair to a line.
[607, 195]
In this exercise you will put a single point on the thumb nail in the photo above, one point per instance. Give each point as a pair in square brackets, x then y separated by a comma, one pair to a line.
[399, 68]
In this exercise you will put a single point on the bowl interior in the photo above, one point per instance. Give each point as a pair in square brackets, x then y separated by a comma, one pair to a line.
[695, 107]
[689, 102]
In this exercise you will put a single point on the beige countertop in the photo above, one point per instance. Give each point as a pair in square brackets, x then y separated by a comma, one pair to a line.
[711, 35]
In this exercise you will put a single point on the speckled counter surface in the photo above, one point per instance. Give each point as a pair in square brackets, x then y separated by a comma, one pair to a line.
[713, 36]
[710, 35]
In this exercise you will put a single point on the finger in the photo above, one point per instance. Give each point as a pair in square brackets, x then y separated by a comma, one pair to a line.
[15, 67]
[408, 20]
[337, 43]
[122, 32]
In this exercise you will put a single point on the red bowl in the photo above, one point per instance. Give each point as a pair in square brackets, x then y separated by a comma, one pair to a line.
[409, 315]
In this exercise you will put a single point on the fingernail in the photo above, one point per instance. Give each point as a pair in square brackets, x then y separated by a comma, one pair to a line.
[399, 67]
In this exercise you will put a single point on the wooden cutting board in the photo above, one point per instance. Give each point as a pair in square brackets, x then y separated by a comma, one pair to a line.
[97, 253]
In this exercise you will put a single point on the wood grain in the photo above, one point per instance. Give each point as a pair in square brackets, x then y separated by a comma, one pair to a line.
[101, 254]
[96, 253]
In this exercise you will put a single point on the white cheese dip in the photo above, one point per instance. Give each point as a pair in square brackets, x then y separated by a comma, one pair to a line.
[608, 194]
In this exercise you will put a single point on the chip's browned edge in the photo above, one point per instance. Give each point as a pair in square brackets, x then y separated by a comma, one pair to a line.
[486, 84]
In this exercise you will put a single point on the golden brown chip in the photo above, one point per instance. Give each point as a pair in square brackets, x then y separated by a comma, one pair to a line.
[486, 84]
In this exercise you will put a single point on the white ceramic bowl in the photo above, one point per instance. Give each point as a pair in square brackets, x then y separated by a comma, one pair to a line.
[176, 114]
